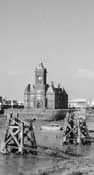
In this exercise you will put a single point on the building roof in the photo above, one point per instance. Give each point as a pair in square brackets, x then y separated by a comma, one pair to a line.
[41, 66]
[50, 90]
[78, 100]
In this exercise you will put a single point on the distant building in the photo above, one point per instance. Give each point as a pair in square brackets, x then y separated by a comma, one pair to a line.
[0, 99]
[78, 103]
[43, 96]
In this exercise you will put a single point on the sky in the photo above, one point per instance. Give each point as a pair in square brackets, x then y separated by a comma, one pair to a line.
[60, 33]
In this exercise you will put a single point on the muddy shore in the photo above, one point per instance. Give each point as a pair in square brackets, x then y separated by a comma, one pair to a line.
[77, 160]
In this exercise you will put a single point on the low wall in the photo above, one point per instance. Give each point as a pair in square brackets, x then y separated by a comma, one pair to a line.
[44, 115]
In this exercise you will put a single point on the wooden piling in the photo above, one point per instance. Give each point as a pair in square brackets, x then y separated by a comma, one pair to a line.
[75, 130]
[18, 136]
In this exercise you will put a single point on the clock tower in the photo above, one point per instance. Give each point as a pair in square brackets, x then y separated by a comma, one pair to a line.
[40, 87]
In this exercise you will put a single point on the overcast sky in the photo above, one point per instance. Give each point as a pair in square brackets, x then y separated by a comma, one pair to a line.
[60, 33]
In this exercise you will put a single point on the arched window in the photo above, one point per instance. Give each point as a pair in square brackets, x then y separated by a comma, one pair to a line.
[38, 105]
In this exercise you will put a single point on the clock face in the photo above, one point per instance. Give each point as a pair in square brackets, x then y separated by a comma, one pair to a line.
[39, 78]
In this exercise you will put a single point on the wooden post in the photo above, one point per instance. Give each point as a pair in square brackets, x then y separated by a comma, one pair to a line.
[21, 139]
[78, 134]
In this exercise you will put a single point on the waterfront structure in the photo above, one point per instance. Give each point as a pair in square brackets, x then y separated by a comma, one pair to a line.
[78, 103]
[19, 136]
[43, 96]
[75, 130]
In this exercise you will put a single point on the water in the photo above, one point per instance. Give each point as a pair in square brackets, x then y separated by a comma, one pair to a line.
[19, 165]
[80, 158]
[35, 165]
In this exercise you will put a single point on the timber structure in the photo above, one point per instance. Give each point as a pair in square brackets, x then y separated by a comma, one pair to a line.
[18, 137]
[75, 130]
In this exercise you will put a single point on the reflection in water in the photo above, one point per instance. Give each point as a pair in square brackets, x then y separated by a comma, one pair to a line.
[13, 165]
[77, 150]
[19, 165]
[30, 165]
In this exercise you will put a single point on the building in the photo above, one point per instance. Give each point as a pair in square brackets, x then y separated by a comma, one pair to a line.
[78, 103]
[57, 98]
[42, 96]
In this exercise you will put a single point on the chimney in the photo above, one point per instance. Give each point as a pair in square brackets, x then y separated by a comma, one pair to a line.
[59, 86]
[52, 84]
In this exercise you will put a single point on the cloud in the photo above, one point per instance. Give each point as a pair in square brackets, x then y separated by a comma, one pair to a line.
[85, 73]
